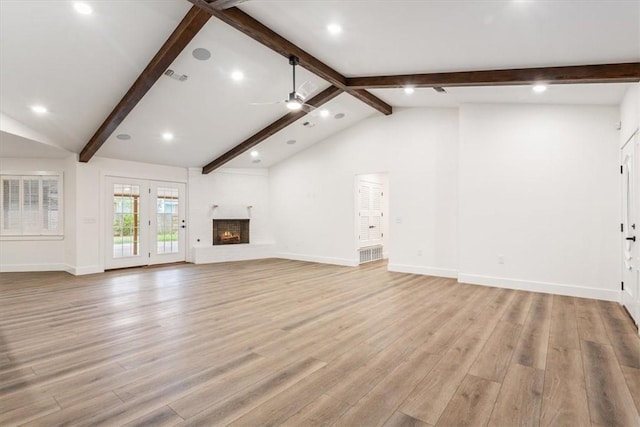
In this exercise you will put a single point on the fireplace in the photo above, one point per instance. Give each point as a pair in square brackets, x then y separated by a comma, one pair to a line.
[230, 231]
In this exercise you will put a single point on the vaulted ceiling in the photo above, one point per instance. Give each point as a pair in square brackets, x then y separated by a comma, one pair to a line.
[81, 66]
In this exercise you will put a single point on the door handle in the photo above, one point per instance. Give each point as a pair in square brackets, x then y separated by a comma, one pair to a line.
[633, 239]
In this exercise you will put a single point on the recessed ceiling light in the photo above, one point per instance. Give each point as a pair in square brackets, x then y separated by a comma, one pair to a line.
[167, 136]
[291, 141]
[201, 54]
[324, 113]
[82, 8]
[539, 88]
[237, 76]
[334, 29]
[339, 116]
[123, 136]
[409, 90]
[39, 109]
[255, 153]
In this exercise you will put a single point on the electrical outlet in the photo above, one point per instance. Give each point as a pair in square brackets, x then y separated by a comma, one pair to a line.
[500, 259]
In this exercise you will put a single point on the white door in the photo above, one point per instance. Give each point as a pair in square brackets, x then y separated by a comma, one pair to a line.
[145, 222]
[369, 213]
[167, 222]
[630, 225]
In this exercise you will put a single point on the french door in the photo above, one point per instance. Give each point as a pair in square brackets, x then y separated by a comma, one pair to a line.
[145, 222]
[630, 227]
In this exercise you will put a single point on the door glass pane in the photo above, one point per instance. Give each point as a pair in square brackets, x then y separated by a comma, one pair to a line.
[126, 220]
[167, 220]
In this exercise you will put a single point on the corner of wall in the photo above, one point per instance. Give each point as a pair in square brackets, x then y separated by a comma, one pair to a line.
[81, 271]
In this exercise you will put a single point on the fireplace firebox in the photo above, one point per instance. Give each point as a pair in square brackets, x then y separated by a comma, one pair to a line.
[230, 231]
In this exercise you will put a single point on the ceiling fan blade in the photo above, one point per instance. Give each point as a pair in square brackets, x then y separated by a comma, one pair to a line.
[306, 89]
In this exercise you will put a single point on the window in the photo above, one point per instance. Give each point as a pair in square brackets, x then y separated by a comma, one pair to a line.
[31, 204]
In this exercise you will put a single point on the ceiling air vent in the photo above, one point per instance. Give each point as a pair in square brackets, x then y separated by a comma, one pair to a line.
[439, 89]
[176, 76]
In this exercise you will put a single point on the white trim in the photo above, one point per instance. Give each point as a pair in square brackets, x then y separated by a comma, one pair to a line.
[425, 271]
[31, 237]
[18, 268]
[88, 269]
[31, 173]
[543, 287]
[318, 259]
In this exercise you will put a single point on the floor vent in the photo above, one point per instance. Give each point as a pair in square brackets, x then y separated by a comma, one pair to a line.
[370, 253]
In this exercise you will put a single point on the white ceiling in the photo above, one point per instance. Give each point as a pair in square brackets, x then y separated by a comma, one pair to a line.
[17, 146]
[80, 66]
[413, 36]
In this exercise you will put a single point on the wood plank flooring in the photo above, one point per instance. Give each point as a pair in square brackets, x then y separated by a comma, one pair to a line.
[276, 342]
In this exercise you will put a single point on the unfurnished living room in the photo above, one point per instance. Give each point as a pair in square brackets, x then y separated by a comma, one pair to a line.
[320, 213]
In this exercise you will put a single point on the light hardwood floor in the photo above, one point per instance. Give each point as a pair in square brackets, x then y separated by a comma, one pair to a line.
[277, 342]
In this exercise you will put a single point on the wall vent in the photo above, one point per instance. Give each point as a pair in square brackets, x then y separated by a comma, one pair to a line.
[370, 253]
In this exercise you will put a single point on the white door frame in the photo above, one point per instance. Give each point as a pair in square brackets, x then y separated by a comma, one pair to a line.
[147, 254]
[630, 210]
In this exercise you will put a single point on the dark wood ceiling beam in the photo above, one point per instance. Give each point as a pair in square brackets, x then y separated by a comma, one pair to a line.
[286, 120]
[603, 73]
[264, 35]
[193, 21]
[225, 4]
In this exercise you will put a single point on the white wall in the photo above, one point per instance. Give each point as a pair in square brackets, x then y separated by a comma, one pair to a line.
[535, 184]
[630, 113]
[312, 193]
[232, 190]
[539, 185]
[81, 250]
[42, 253]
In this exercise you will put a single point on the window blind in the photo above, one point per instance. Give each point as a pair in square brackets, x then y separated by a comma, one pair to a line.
[31, 204]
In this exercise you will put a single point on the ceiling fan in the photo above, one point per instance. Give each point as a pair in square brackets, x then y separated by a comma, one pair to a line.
[295, 101]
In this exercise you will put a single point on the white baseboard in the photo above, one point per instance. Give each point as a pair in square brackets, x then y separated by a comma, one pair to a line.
[16, 268]
[320, 260]
[88, 269]
[425, 271]
[543, 287]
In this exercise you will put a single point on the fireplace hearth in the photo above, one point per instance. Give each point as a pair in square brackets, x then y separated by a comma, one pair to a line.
[230, 231]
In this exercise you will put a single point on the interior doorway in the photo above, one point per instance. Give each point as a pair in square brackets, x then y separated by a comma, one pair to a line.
[145, 222]
[372, 225]
[630, 226]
